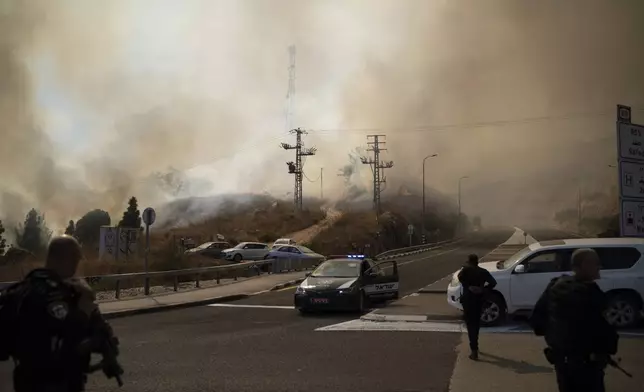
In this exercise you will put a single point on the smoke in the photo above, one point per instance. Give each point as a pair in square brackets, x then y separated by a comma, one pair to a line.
[95, 97]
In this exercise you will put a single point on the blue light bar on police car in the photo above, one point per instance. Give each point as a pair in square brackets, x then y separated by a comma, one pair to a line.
[355, 256]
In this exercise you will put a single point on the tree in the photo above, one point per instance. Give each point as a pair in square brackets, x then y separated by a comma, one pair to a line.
[3, 242]
[34, 234]
[71, 228]
[131, 216]
[88, 228]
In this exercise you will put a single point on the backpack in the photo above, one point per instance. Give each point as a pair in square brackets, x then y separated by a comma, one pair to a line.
[37, 320]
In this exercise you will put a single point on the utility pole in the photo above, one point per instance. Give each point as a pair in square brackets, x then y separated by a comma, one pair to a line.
[296, 167]
[321, 183]
[377, 167]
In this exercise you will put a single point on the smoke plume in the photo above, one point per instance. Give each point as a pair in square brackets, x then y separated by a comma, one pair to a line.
[98, 98]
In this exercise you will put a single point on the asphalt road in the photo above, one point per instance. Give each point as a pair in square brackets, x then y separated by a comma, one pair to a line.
[273, 349]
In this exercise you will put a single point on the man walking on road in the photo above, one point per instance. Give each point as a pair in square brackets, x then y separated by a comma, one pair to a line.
[570, 314]
[474, 279]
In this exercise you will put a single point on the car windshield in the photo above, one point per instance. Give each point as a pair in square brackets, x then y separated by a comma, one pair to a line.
[304, 249]
[204, 246]
[337, 269]
[514, 258]
[240, 245]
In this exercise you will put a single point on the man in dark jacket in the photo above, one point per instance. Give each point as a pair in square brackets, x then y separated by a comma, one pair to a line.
[570, 314]
[48, 319]
[476, 282]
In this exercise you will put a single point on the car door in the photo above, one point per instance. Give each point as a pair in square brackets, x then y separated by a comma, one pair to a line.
[381, 280]
[281, 252]
[539, 269]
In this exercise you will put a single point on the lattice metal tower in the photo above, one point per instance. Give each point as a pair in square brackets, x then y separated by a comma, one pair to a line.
[290, 94]
[377, 167]
[296, 167]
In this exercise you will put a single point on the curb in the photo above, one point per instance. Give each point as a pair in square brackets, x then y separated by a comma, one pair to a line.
[432, 291]
[183, 305]
[132, 312]
[411, 318]
[287, 284]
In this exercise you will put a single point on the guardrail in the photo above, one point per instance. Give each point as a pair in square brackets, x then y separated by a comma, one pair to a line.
[115, 282]
[412, 249]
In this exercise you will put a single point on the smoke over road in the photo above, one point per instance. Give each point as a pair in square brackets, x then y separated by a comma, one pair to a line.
[96, 96]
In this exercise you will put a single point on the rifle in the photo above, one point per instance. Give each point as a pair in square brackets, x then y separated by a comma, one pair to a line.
[110, 366]
[615, 364]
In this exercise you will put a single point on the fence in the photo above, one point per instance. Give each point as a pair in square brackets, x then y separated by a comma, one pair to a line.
[117, 282]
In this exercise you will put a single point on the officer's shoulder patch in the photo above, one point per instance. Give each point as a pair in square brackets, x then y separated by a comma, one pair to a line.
[58, 310]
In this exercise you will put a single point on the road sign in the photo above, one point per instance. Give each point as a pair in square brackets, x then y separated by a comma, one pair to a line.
[149, 216]
[410, 229]
[631, 141]
[630, 155]
[632, 218]
[631, 179]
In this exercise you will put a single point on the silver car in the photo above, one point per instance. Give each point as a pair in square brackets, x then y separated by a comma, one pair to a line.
[246, 251]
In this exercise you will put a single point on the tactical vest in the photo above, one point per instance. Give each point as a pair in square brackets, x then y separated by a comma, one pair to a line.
[39, 324]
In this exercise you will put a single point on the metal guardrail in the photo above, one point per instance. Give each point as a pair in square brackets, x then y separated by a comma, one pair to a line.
[412, 249]
[234, 271]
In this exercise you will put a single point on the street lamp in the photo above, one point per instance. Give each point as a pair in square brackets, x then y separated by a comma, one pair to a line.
[458, 218]
[423, 214]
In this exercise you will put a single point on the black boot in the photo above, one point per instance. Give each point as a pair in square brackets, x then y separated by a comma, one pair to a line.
[474, 356]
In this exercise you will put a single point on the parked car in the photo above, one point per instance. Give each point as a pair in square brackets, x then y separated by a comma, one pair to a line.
[246, 251]
[294, 252]
[522, 278]
[283, 241]
[210, 249]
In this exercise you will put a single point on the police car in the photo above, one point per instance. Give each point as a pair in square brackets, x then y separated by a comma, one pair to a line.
[347, 282]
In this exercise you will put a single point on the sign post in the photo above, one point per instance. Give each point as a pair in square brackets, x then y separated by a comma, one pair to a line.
[630, 155]
[149, 216]
[410, 232]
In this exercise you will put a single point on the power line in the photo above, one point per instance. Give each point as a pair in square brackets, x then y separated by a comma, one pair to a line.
[445, 127]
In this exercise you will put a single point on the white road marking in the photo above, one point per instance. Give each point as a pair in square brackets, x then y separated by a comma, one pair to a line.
[430, 326]
[423, 258]
[251, 306]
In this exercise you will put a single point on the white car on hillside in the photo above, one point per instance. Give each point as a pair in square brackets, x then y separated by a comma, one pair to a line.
[522, 278]
[246, 251]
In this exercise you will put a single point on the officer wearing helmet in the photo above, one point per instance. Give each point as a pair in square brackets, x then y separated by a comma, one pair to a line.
[50, 324]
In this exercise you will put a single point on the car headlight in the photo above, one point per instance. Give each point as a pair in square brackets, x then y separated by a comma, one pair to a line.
[455, 282]
[300, 290]
[348, 290]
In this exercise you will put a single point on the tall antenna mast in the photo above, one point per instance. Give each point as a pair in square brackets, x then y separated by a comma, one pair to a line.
[290, 95]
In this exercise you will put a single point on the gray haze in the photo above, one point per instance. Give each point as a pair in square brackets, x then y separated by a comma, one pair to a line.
[517, 95]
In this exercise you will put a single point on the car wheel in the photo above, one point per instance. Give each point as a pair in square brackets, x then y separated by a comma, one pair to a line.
[493, 311]
[237, 257]
[304, 312]
[622, 310]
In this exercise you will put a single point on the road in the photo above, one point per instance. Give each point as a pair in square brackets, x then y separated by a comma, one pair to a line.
[275, 349]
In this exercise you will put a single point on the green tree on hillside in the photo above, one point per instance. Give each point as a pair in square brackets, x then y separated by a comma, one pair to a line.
[88, 228]
[3, 242]
[131, 216]
[34, 234]
[71, 228]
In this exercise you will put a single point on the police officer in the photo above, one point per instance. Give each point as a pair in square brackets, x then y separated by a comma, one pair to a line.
[476, 282]
[50, 324]
[570, 314]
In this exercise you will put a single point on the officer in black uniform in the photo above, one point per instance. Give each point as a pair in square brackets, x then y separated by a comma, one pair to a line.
[570, 314]
[476, 282]
[50, 325]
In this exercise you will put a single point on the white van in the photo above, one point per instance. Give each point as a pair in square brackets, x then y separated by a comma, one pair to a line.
[522, 278]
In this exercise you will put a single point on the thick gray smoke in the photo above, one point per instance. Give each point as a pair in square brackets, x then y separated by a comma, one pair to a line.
[519, 96]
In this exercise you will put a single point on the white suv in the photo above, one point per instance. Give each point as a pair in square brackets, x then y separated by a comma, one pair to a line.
[522, 278]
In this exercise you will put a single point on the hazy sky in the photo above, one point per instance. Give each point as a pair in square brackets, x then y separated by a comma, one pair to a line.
[520, 96]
